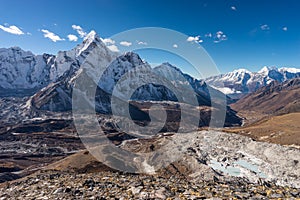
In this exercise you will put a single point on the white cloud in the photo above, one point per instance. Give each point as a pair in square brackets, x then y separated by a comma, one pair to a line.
[72, 38]
[219, 37]
[265, 27]
[125, 43]
[220, 33]
[12, 29]
[142, 43]
[175, 45]
[110, 44]
[51, 36]
[113, 48]
[79, 30]
[233, 8]
[285, 28]
[108, 41]
[194, 39]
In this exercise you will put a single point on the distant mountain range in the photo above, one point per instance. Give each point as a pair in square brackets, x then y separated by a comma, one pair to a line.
[22, 73]
[241, 81]
[56, 96]
[49, 79]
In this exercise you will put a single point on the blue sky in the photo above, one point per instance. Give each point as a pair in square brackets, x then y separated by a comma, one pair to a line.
[244, 33]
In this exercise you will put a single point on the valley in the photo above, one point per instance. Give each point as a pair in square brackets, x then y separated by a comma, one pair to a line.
[243, 144]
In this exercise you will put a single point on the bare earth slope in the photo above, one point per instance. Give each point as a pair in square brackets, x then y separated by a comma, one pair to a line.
[272, 113]
[283, 129]
[271, 99]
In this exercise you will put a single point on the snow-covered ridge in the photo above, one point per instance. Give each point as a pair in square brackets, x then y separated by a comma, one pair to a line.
[64, 68]
[290, 70]
[22, 70]
[242, 81]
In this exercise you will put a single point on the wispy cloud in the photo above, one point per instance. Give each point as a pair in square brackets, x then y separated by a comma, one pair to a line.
[285, 28]
[125, 43]
[12, 29]
[108, 41]
[175, 45]
[219, 37]
[51, 36]
[196, 39]
[142, 43]
[208, 35]
[79, 30]
[265, 27]
[233, 8]
[72, 38]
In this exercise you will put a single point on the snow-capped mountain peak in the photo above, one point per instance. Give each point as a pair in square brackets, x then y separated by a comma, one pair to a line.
[266, 69]
[120, 66]
[22, 70]
[241, 71]
[290, 70]
[92, 44]
[242, 81]
[90, 41]
[169, 65]
[91, 36]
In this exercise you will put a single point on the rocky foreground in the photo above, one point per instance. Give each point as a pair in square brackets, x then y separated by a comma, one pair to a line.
[216, 165]
[115, 185]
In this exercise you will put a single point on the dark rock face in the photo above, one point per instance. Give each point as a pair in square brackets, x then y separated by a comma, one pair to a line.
[7, 176]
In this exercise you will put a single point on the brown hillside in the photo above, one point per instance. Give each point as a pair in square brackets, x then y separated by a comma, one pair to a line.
[272, 98]
[283, 129]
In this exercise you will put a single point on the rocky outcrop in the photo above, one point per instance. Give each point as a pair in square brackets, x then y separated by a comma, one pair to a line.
[214, 165]
[53, 185]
